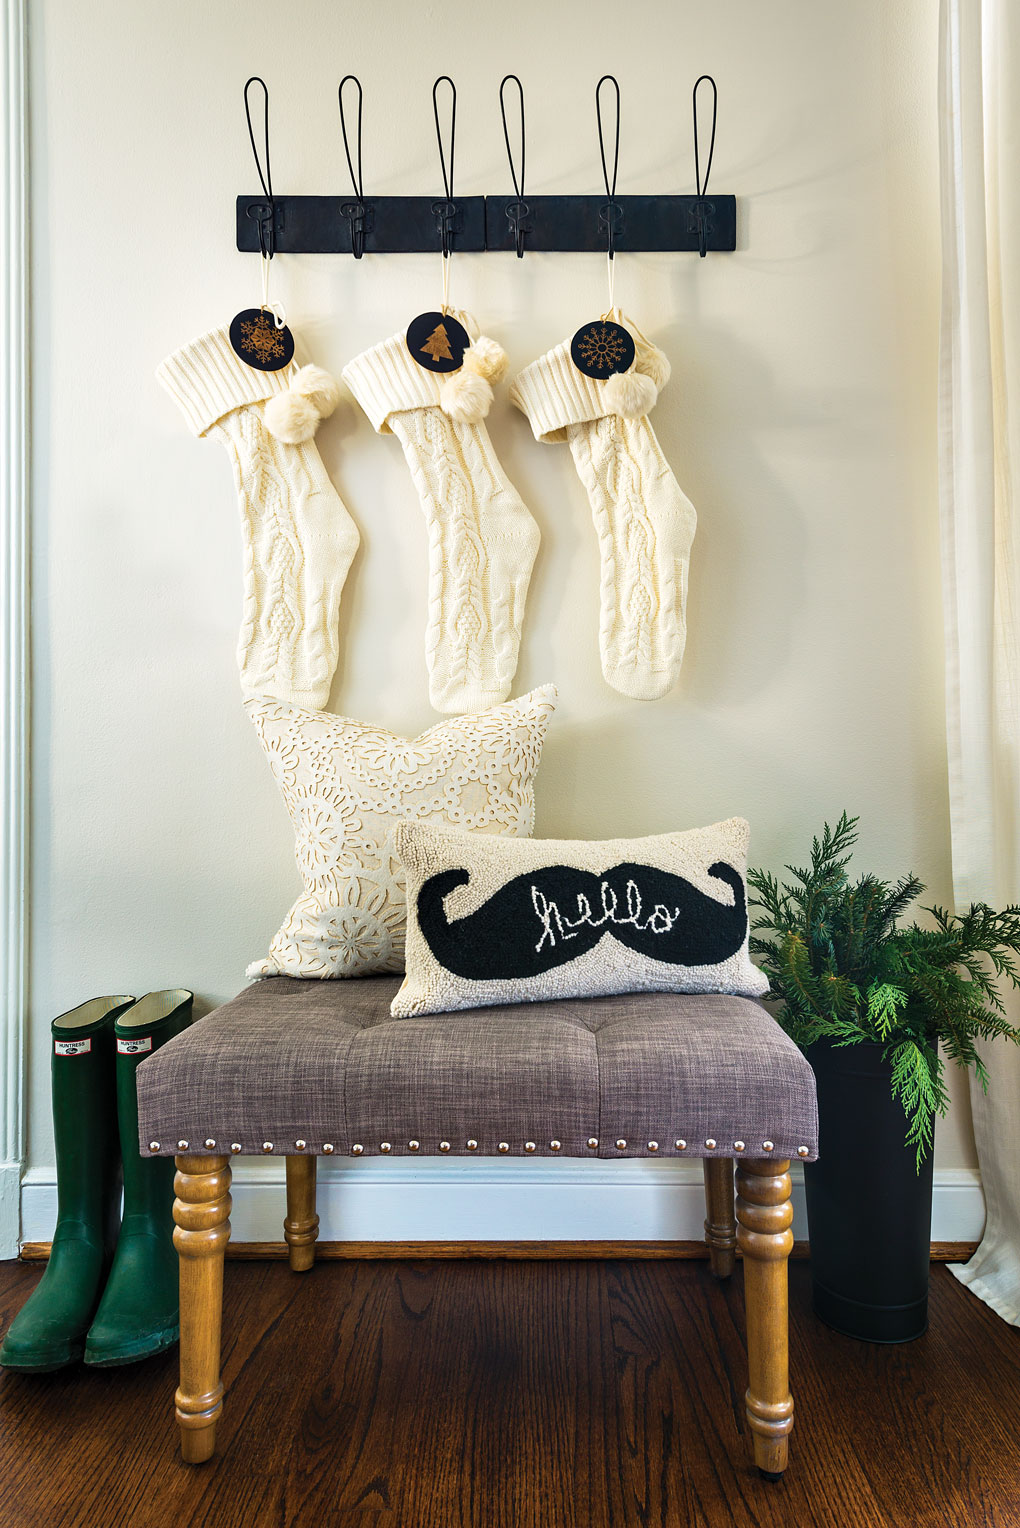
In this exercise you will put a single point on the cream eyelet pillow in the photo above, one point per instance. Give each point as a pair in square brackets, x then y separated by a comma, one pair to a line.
[347, 784]
[493, 921]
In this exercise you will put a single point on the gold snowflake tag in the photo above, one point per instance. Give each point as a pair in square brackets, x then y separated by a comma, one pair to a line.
[602, 348]
[260, 344]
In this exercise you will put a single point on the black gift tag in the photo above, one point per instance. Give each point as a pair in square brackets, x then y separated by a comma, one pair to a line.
[602, 348]
[258, 341]
[437, 341]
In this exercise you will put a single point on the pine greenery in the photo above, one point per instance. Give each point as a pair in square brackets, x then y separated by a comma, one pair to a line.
[847, 971]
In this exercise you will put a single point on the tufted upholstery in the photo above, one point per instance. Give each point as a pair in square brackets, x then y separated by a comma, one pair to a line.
[323, 1064]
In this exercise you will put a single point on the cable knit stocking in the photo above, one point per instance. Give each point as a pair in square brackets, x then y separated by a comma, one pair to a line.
[482, 540]
[644, 521]
[299, 540]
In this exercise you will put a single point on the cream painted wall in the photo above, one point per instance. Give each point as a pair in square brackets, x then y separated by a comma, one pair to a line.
[800, 420]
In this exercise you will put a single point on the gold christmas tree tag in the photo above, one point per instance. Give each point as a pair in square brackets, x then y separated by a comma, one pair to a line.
[437, 341]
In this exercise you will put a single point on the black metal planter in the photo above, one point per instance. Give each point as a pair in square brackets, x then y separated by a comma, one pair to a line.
[869, 1213]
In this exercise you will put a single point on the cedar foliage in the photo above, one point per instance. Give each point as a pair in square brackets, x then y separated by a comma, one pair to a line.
[846, 970]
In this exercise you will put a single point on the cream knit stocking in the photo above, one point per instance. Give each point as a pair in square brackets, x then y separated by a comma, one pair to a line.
[482, 540]
[644, 521]
[298, 539]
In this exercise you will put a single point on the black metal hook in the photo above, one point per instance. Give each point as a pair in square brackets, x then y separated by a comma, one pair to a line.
[516, 211]
[354, 211]
[445, 210]
[611, 215]
[264, 214]
[702, 187]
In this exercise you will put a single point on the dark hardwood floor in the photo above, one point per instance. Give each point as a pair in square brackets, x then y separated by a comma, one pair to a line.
[521, 1395]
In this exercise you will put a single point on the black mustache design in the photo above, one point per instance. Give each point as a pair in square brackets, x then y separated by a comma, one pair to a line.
[551, 916]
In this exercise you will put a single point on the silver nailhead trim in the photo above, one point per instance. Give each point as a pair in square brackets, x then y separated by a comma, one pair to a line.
[413, 1145]
[300, 1145]
[210, 1142]
[235, 1147]
[529, 1146]
[738, 1145]
[653, 1145]
[472, 1145]
[182, 1145]
[802, 1151]
[621, 1144]
[593, 1142]
[768, 1145]
[154, 1146]
[327, 1148]
[710, 1143]
[267, 1145]
[555, 1145]
[504, 1146]
[357, 1149]
[444, 1145]
[680, 1145]
[385, 1146]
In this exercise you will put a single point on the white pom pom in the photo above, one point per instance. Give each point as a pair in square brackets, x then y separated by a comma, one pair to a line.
[466, 396]
[291, 418]
[630, 394]
[652, 362]
[315, 384]
[487, 358]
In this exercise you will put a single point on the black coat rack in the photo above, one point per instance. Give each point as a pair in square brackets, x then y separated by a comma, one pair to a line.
[359, 224]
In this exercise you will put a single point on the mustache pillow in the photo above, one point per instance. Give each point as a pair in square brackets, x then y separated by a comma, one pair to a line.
[509, 921]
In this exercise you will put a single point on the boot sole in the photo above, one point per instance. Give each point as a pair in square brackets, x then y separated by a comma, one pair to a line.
[45, 1363]
[132, 1353]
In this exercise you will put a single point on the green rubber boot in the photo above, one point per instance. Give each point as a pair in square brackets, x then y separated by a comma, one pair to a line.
[139, 1312]
[49, 1331]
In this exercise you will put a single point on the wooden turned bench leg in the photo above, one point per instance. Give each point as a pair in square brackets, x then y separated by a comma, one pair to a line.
[201, 1233]
[301, 1226]
[764, 1217]
[720, 1226]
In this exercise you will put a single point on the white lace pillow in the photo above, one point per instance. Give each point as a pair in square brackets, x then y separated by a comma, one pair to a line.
[491, 921]
[347, 784]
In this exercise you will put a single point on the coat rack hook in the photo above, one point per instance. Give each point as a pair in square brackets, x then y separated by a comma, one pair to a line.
[702, 186]
[353, 211]
[445, 210]
[263, 213]
[517, 210]
[612, 212]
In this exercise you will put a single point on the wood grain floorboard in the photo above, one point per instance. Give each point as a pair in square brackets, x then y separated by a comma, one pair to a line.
[528, 1394]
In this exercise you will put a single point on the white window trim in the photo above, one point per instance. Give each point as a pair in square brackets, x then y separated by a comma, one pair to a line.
[14, 635]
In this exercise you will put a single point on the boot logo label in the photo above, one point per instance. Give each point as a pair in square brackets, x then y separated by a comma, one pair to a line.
[134, 1047]
[71, 1047]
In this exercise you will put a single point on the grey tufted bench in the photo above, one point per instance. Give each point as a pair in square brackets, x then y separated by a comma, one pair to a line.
[303, 1069]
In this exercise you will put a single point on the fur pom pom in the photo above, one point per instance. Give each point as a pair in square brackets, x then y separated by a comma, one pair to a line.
[654, 363]
[315, 384]
[487, 359]
[630, 394]
[466, 396]
[291, 418]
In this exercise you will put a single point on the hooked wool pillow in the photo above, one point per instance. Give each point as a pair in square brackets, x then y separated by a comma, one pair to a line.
[496, 921]
[347, 784]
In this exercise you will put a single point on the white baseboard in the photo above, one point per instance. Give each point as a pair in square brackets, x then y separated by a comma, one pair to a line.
[10, 1175]
[502, 1201]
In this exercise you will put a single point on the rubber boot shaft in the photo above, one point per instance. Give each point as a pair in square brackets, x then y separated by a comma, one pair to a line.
[49, 1331]
[139, 1312]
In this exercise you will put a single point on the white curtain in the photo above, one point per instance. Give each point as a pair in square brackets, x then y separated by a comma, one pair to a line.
[979, 439]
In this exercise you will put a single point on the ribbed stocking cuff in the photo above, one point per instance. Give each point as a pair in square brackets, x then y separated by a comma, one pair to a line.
[553, 393]
[387, 379]
[207, 379]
